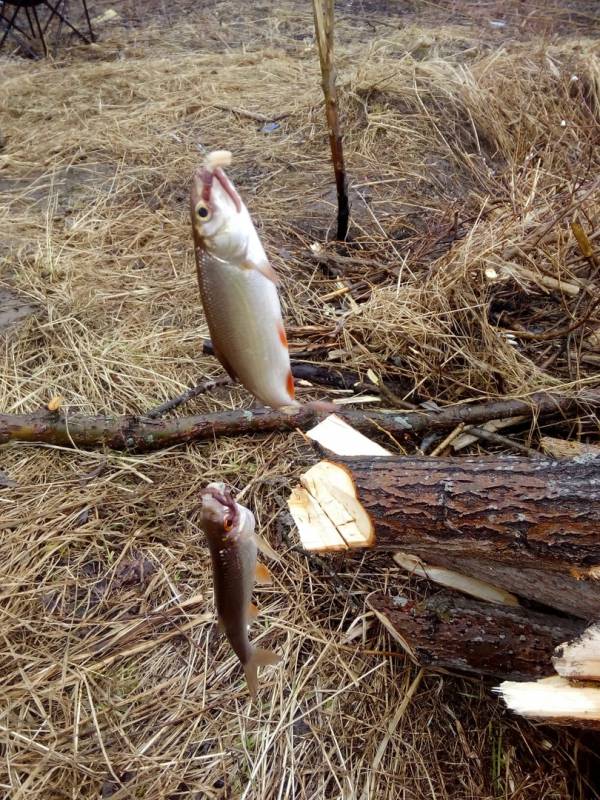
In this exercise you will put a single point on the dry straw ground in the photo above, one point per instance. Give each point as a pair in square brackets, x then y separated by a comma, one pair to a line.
[472, 133]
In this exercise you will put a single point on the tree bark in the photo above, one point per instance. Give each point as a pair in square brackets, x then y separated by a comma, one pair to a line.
[529, 526]
[141, 434]
[453, 632]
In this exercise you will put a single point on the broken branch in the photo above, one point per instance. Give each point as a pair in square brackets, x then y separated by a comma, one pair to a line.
[142, 434]
[324, 17]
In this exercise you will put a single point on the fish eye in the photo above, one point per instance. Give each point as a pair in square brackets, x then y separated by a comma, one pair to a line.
[227, 524]
[202, 211]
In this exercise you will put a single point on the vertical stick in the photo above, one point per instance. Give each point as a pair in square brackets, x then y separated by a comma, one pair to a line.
[323, 13]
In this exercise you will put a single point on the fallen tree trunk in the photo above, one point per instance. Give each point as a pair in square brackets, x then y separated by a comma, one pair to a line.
[142, 434]
[529, 526]
[453, 632]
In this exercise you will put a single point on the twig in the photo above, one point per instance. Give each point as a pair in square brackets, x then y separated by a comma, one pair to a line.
[194, 391]
[141, 434]
[504, 441]
[324, 16]
[256, 115]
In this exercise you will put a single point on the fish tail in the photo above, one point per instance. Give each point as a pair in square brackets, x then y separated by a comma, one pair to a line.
[258, 658]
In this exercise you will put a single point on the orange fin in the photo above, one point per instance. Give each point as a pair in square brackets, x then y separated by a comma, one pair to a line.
[289, 385]
[282, 336]
[262, 574]
[252, 611]
[264, 268]
[258, 658]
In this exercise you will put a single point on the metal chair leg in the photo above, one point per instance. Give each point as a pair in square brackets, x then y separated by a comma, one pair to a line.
[54, 10]
[11, 24]
[40, 31]
[88, 20]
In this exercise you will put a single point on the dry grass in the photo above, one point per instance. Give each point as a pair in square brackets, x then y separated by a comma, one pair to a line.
[115, 682]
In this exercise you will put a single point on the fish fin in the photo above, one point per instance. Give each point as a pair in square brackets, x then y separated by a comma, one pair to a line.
[265, 548]
[264, 268]
[252, 611]
[258, 658]
[262, 574]
[224, 363]
[220, 625]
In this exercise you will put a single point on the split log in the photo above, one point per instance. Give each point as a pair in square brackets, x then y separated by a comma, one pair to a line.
[457, 633]
[142, 434]
[529, 526]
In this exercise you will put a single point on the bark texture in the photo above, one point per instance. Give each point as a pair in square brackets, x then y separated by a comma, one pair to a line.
[530, 526]
[453, 632]
[141, 434]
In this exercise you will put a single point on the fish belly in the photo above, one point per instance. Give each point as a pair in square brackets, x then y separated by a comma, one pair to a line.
[244, 318]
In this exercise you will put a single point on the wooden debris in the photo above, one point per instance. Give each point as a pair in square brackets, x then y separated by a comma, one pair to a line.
[530, 527]
[452, 632]
[452, 579]
[336, 435]
[466, 439]
[553, 700]
[580, 659]
[141, 434]
[564, 448]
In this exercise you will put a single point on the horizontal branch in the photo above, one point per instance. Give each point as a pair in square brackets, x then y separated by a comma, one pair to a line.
[142, 434]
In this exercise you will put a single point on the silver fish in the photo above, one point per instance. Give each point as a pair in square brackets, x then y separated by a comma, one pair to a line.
[238, 287]
[229, 529]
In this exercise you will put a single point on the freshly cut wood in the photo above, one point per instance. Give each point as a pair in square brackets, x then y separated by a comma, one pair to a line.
[554, 700]
[326, 510]
[580, 659]
[336, 435]
[452, 632]
[529, 526]
[452, 579]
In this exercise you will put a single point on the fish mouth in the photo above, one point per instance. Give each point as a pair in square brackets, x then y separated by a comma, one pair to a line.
[211, 169]
[217, 497]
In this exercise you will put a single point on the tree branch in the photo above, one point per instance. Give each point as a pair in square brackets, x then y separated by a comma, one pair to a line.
[142, 434]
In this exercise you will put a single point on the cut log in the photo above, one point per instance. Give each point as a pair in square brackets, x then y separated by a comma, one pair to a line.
[580, 659]
[458, 633]
[529, 526]
[554, 700]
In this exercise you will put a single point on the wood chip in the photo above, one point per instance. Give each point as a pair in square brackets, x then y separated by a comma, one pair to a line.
[580, 659]
[336, 435]
[456, 580]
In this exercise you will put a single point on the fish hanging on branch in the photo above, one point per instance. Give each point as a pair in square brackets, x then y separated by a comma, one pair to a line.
[229, 529]
[324, 18]
[238, 287]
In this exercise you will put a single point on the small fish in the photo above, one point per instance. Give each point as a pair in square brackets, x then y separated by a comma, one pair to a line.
[238, 287]
[229, 529]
